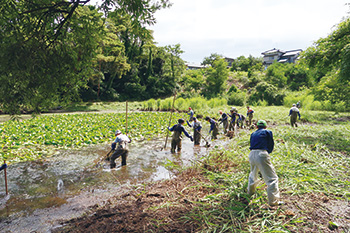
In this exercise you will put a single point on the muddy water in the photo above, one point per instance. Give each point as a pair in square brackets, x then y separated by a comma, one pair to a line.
[45, 192]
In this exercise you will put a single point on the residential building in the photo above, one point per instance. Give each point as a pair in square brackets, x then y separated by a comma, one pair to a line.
[281, 56]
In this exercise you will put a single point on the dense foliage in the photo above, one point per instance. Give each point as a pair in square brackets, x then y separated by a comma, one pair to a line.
[58, 52]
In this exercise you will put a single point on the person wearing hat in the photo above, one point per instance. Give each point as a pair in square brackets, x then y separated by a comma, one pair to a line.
[190, 113]
[213, 128]
[261, 145]
[294, 113]
[176, 138]
[196, 125]
[250, 115]
[120, 150]
[224, 121]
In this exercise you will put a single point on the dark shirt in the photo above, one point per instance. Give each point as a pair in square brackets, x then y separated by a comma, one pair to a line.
[250, 111]
[223, 117]
[180, 128]
[212, 124]
[262, 139]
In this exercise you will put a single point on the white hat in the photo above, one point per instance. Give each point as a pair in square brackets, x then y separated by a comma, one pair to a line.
[118, 132]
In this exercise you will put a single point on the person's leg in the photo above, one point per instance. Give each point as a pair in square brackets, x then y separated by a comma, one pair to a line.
[197, 137]
[270, 177]
[253, 175]
[124, 156]
[114, 156]
[173, 145]
[179, 145]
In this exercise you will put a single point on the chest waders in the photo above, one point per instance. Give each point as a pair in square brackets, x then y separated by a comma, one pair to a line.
[176, 141]
[215, 132]
[293, 118]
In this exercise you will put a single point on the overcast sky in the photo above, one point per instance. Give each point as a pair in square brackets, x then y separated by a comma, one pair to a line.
[236, 27]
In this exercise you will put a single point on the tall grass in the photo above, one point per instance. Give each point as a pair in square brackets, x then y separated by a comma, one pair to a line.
[308, 159]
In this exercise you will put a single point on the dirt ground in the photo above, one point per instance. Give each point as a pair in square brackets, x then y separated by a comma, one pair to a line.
[162, 207]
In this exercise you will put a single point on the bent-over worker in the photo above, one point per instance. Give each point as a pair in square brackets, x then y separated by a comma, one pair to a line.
[120, 150]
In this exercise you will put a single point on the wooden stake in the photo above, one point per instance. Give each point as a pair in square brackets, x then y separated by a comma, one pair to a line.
[171, 114]
[6, 179]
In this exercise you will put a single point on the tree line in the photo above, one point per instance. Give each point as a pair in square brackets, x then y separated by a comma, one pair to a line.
[55, 52]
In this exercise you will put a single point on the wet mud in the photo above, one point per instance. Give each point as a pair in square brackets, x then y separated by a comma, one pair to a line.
[46, 192]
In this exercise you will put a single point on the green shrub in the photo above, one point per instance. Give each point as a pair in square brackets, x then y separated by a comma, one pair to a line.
[237, 98]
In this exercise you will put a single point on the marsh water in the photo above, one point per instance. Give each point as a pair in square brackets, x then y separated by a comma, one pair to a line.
[43, 193]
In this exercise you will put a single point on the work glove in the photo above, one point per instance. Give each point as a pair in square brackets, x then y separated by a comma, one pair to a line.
[191, 139]
[113, 145]
[3, 166]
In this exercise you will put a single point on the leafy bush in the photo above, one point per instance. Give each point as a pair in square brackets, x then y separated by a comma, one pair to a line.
[237, 98]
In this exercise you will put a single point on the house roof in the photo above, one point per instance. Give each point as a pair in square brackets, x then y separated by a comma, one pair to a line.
[292, 52]
[272, 51]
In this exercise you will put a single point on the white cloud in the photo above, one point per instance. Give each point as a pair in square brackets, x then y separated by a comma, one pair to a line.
[236, 27]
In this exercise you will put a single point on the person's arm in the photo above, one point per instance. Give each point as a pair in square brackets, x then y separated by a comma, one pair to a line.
[299, 115]
[198, 128]
[3, 166]
[270, 142]
[187, 135]
[188, 123]
[290, 112]
[171, 129]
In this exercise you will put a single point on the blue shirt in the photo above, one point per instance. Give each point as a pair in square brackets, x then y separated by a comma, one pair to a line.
[223, 117]
[212, 124]
[262, 139]
[180, 128]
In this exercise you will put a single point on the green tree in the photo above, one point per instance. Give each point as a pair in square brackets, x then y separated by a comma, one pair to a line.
[36, 71]
[48, 47]
[209, 61]
[216, 77]
[275, 74]
[329, 62]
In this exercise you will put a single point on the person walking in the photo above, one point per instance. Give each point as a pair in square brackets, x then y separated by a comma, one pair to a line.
[196, 125]
[261, 145]
[294, 113]
[224, 120]
[190, 113]
[250, 115]
[121, 150]
[178, 129]
[213, 128]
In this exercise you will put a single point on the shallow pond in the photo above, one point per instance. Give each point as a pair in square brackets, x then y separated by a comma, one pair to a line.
[63, 186]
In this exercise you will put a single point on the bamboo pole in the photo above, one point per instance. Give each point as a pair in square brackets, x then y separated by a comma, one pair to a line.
[171, 114]
[126, 118]
[6, 179]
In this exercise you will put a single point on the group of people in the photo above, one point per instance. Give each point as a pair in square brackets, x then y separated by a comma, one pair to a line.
[261, 144]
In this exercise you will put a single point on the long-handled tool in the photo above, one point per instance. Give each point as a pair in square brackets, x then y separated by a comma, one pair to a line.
[207, 144]
[171, 114]
[6, 179]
